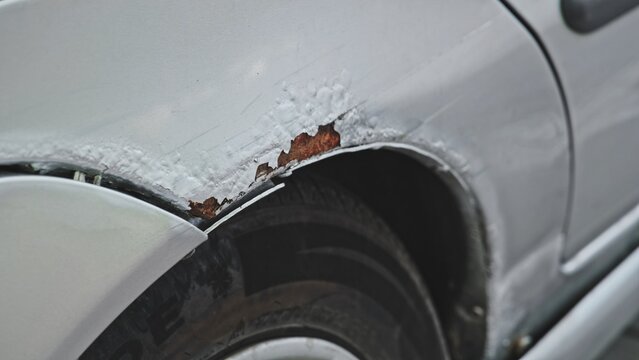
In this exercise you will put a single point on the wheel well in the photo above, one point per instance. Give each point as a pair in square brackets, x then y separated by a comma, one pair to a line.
[435, 219]
[428, 209]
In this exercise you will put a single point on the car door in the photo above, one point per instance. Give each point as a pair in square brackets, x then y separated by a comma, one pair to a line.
[594, 47]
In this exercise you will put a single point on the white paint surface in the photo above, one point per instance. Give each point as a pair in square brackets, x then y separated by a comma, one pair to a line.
[73, 257]
[186, 99]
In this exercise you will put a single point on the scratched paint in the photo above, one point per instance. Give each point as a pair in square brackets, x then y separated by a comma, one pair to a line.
[300, 125]
[314, 111]
[303, 146]
[314, 119]
[305, 120]
[190, 112]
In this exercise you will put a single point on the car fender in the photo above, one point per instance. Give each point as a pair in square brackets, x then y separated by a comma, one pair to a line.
[73, 256]
[199, 103]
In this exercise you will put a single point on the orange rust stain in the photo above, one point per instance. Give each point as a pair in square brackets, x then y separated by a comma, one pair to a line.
[302, 147]
[263, 170]
[305, 146]
[206, 209]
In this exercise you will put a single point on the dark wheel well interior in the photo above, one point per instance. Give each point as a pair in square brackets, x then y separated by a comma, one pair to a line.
[432, 216]
[430, 212]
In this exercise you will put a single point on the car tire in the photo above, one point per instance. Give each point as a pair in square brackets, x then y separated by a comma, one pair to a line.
[310, 260]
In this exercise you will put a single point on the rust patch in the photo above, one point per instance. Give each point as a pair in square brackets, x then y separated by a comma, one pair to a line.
[263, 170]
[305, 146]
[206, 209]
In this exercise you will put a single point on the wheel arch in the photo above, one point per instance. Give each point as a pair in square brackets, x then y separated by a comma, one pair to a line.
[421, 198]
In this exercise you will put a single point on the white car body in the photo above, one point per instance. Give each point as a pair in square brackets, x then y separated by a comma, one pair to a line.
[185, 99]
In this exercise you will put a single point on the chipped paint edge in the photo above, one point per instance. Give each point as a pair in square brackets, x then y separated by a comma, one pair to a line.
[302, 147]
[243, 206]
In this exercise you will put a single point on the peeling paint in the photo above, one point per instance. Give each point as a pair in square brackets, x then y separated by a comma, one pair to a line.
[208, 208]
[315, 111]
[306, 119]
[304, 145]
[263, 170]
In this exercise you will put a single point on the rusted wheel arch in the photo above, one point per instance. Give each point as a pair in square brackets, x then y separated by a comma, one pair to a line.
[438, 218]
[431, 208]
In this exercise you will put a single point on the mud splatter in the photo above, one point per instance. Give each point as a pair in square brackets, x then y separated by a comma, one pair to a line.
[263, 170]
[305, 146]
[207, 209]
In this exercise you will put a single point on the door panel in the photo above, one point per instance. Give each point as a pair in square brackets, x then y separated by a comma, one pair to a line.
[599, 70]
